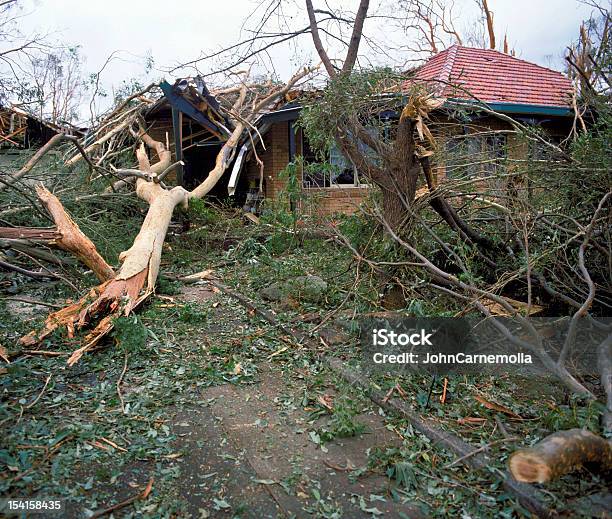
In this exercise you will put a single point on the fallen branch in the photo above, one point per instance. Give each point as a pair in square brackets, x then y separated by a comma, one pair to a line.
[119, 381]
[560, 453]
[25, 272]
[31, 301]
[54, 141]
[29, 406]
[72, 238]
[251, 305]
[528, 496]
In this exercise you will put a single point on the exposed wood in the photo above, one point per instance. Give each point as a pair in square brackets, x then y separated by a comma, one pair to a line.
[489, 20]
[29, 233]
[560, 453]
[71, 238]
[135, 281]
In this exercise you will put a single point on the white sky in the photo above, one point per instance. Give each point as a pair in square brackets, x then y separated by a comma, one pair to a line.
[175, 31]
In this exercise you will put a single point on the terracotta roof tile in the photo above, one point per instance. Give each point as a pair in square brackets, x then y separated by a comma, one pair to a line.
[492, 76]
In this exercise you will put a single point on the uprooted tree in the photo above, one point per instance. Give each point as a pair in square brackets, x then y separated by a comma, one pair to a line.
[136, 278]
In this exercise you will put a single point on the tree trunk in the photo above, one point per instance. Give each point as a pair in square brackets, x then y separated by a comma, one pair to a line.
[559, 454]
[122, 293]
[398, 181]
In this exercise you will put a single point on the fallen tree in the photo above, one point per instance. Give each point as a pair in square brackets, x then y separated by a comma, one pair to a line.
[136, 278]
[65, 236]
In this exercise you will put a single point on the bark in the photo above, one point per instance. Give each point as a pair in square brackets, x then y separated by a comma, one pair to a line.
[121, 294]
[71, 238]
[29, 233]
[316, 39]
[398, 183]
[489, 18]
[560, 453]
[351, 54]
[448, 213]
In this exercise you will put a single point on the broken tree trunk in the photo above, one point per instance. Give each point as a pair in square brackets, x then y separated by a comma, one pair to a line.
[559, 454]
[122, 293]
[72, 239]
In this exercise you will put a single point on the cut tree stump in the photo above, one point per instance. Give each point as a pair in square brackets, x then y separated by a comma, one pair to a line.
[560, 453]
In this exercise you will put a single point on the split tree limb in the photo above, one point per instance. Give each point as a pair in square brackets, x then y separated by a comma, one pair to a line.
[72, 239]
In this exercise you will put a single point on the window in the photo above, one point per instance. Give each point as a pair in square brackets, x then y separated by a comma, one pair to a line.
[467, 156]
[334, 170]
[539, 151]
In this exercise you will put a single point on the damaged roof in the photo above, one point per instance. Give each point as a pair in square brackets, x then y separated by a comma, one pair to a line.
[192, 97]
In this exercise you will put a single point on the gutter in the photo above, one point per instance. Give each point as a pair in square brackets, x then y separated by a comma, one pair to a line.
[517, 108]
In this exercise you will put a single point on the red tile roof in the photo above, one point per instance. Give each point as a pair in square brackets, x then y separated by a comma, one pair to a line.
[494, 77]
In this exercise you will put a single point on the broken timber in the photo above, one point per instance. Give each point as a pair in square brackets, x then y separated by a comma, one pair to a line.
[560, 453]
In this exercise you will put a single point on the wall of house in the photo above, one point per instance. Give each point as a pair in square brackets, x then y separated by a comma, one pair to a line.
[275, 158]
[516, 146]
[330, 201]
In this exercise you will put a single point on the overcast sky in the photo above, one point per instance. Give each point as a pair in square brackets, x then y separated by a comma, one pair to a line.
[176, 31]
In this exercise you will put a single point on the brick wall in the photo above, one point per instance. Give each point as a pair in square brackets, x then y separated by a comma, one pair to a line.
[325, 202]
[275, 158]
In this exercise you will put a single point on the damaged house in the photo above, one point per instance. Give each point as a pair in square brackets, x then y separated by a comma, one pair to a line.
[21, 130]
[473, 78]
